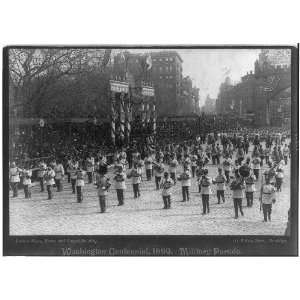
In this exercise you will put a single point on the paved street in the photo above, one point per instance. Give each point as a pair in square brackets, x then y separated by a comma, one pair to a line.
[143, 216]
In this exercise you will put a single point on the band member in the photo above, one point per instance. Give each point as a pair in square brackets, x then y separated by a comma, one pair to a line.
[256, 166]
[173, 168]
[69, 161]
[120, 185]
[286, 152]
[166, 193]
[237, 186]
[136, 177]
[103, 184]
[148, 165]
[79, 184]
[59, 176]
[194, 164]
[267, 152]
[41, 173]
[250, 189]
[199, 174]
[240, 155]
[49, 178]
[90, 168]
[220, 182]
[227, 163]
[158, 172]
[267, 198]
[73, 176]
[261, 155]
[279, 178]
[27, 173]
[205, 182]
[185, 179]
[14, 178]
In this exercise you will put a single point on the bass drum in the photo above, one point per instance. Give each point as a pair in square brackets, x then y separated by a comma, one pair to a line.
[244, 171]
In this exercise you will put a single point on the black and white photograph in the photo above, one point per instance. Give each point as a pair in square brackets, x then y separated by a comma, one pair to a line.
[153, 143]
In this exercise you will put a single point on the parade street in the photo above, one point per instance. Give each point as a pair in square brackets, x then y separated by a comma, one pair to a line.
[144, 215]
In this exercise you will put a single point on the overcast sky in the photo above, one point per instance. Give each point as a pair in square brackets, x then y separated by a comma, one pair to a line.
[209, 67]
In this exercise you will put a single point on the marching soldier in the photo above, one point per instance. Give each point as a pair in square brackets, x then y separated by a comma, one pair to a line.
[250, 189]
[120, 185]
[185, 179]
[286, 152]
[237, 186]
[220, 182]
[205, 183]
[194, 164]
[90, 168]
[256, 166]
[14, 177]
[79, 184]
[199, 174]
[149, 165]
[173, 167]
[73, 175]
[267, 198]
[41, 173]
[279, 178]
[158, 172]
[59, 176]
[166, 193]
[103, 184]
[136, 177]
[49, 178]
[27, 173]
[227, 163]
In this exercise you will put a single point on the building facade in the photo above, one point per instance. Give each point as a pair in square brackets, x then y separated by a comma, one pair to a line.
[262, 97]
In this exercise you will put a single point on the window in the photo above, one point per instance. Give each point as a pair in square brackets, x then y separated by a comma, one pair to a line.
[160, 69]
[171, 68]
[167, 59]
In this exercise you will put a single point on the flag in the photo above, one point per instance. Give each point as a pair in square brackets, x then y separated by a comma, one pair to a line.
[106, 57]
[148, 62]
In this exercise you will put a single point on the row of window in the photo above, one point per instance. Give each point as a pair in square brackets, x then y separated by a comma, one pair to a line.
[163, 59]
[162, 69]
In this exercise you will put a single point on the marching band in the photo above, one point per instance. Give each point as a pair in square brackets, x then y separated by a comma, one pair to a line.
[237, 173]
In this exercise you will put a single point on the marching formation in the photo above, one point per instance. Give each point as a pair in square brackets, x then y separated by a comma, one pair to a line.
[236, 160]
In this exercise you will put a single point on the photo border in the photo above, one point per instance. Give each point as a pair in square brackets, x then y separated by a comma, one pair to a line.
[156, 245]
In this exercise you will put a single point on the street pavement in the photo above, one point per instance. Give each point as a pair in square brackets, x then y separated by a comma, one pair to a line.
[143, 216]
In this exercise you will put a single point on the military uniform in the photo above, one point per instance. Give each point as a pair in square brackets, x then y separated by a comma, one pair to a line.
[267, 198]
[103, 185]
[166, 193]
[185, 179]
[79, 184]
[205, 183]
[250, 189]
[158, 173]
[237, 187]
[149, 165]
[220, 182]
[41, 174]
[120, 186]
[27, 182]
[49, 178]
[14, 177]
[59, 174]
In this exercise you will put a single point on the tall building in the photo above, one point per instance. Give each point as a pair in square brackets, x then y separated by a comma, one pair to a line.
[209, 106]
[262, 97]
[166, 74]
